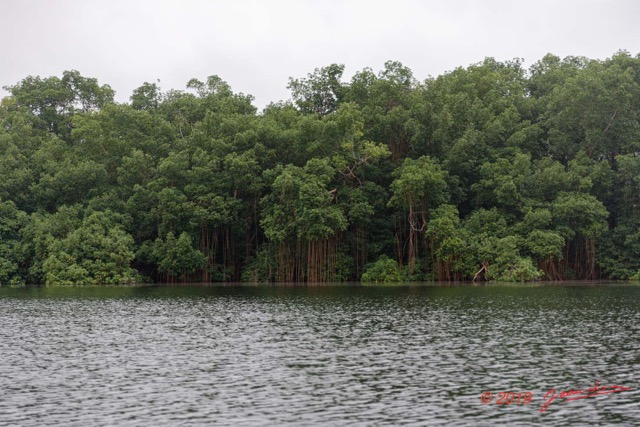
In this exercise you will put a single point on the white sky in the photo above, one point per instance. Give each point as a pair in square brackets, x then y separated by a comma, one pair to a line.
[257, 45]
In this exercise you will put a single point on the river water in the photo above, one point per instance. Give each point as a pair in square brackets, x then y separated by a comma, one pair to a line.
[318, 355]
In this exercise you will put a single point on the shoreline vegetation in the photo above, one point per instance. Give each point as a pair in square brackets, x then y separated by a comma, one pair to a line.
[358, 284]
[489, 172]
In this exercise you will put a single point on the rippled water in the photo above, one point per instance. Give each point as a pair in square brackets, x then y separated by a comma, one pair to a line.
[334, 355]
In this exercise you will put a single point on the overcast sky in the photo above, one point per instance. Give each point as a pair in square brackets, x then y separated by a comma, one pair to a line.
[257, 45]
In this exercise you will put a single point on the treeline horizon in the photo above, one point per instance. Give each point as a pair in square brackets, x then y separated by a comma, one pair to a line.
[487, 172]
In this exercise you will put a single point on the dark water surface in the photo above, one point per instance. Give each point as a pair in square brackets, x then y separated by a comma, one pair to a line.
[332, 355]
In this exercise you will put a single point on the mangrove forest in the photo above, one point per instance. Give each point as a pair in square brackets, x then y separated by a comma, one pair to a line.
[488, 172]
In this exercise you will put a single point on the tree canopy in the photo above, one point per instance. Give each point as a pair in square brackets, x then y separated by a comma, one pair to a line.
[490, 171]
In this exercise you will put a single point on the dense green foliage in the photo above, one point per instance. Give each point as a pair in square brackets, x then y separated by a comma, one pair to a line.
[486, 172]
